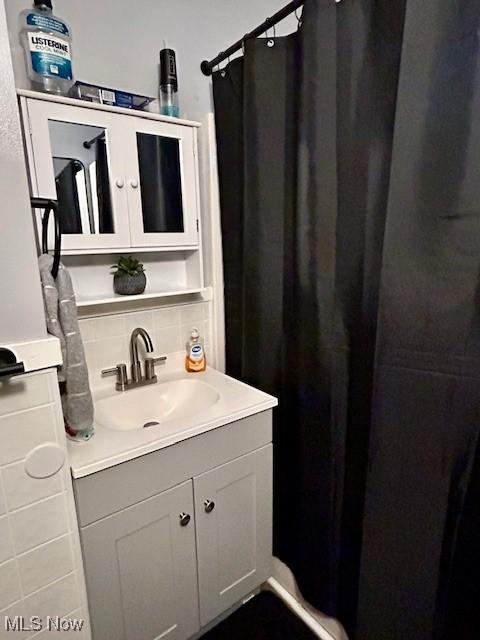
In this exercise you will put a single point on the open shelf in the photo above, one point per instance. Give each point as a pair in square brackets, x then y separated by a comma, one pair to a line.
[169, 275]
[152, 295]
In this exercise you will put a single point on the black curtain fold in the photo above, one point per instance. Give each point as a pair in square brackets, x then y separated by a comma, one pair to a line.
[105, 214]
[67, 196]
[349, 188]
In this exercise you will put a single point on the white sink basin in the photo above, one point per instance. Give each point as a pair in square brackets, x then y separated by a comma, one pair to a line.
[150, 407]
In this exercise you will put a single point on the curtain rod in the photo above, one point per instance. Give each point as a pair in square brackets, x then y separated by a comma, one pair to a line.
[208, 66]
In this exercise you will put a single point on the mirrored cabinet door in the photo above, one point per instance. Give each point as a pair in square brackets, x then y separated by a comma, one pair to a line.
[79, 161]
[161, 184]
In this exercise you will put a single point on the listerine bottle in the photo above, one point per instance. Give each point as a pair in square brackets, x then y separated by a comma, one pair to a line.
[47, 40]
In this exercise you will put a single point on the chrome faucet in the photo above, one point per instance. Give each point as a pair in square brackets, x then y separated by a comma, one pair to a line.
[137, 380]
[136, 365]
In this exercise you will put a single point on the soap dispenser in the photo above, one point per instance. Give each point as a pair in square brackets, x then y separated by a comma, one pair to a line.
[195, 360]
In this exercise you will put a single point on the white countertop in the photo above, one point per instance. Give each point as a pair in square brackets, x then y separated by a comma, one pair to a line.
[109, 447]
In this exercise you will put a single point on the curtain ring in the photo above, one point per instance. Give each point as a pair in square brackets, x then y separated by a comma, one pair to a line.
[223, 72]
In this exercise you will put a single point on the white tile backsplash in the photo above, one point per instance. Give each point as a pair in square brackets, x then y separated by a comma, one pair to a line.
[45, 564]
[169, 328]
[139, 319]
[109, 326]
[21, 432]
[169, 317]
[9, 584]
[87, 329]
[110, 352]
[192, 313]
[39, 523]
[21, 489]
[6, 547]
[167, 340]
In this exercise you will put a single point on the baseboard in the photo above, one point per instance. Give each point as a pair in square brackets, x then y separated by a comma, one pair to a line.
[295, 607]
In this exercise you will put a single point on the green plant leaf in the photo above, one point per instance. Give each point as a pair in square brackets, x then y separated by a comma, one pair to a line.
[128, 266]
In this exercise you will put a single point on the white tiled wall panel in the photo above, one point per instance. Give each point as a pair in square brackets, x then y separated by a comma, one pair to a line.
[40, 564]
[106, 338]
[50, 561]
[39, 523]
[21, 490]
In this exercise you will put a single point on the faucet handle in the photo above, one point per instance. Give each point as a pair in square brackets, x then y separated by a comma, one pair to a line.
[150, 366]
[121, 371]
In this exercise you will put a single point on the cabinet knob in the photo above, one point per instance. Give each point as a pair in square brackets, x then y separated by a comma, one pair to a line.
[120, 183]
[209, 506]
[184, 519]
[134, 183]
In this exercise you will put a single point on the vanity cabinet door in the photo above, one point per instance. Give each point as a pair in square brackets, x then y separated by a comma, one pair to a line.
[140, 567]
[233, 510]
[162, 184]
[77, 157]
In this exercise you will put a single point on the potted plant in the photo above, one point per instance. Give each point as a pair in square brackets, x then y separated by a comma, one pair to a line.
[129, 278]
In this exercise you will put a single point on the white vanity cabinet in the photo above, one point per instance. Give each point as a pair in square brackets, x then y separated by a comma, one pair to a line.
[123, 179]
[175, 538]
[140, 565]
[233, 524]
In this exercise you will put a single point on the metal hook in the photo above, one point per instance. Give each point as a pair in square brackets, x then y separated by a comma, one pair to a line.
[270, 41]
[299, 18]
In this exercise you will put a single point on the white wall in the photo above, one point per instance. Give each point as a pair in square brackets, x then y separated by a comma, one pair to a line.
[21, 316]
[116, 42]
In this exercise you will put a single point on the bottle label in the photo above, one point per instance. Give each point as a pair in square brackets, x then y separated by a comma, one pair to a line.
[196, 353]
[48, 23]
[51, 56]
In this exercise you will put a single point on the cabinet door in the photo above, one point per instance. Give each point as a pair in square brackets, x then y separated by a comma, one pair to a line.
[233, 507]
[162, 184]
[140, 568]
[78, 160]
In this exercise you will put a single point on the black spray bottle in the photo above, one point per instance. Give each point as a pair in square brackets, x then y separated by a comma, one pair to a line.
[168, 84]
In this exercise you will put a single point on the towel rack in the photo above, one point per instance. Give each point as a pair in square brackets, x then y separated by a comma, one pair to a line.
[8, 364]
[50, 206]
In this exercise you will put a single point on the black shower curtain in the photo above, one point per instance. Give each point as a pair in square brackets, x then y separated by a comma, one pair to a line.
[349, 158]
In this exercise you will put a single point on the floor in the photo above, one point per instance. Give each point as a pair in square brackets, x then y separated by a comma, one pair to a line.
[264, 617]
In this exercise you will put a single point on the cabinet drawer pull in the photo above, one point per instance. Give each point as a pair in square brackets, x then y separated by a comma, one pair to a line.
[184, 519]
[119, 182]
[134, 183]
[209, 506]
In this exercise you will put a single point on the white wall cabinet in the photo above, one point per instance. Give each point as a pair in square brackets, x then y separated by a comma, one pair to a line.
[123, 179]
[169, 564]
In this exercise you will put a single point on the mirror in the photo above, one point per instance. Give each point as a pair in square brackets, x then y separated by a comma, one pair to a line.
[80, 162]
[160, 183]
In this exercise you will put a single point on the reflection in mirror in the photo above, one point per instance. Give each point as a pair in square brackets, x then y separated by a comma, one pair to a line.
[160, 183]
[80, 163]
